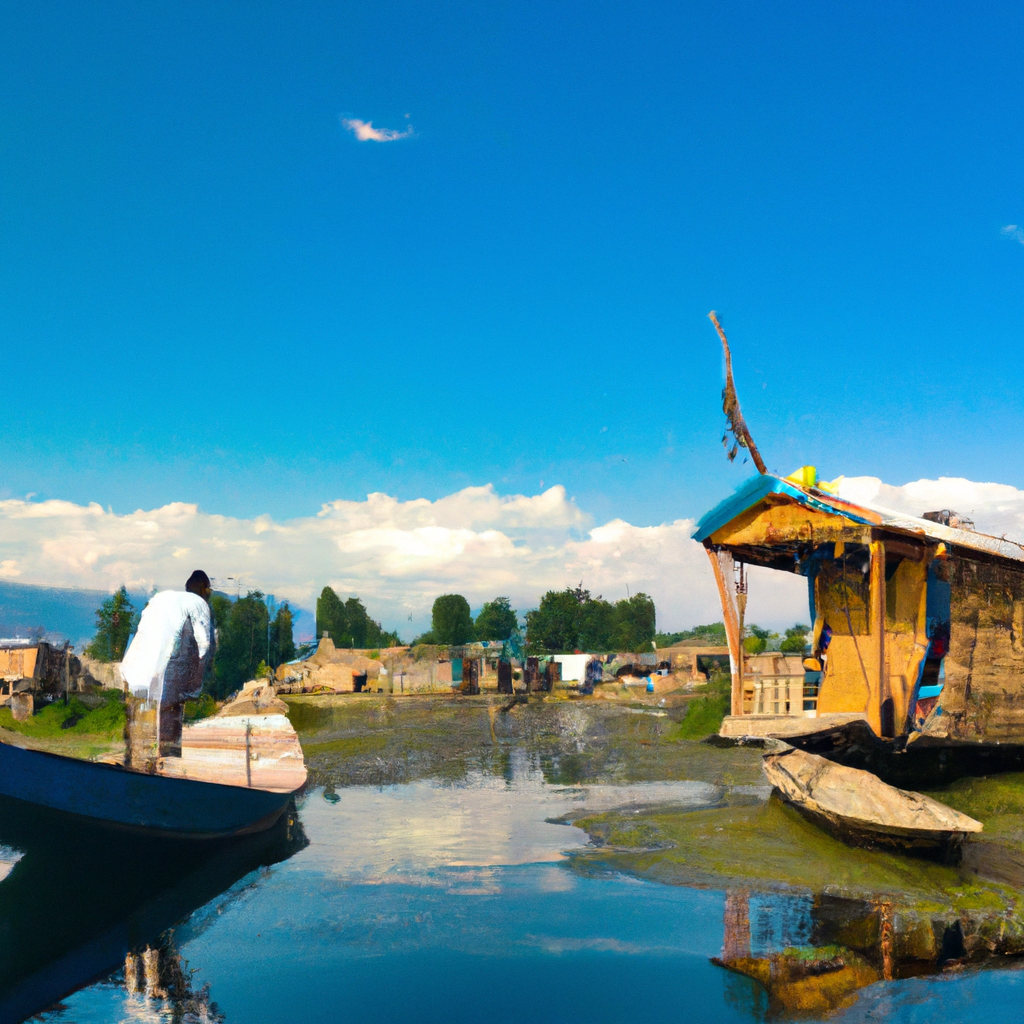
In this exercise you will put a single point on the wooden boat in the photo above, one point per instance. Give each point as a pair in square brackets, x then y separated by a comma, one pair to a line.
[129, 799]
[862, 809]
[236, 774]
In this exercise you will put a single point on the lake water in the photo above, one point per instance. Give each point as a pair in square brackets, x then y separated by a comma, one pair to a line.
[429, 900]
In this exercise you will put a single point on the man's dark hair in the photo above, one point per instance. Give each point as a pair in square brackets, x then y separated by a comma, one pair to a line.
[197, 582]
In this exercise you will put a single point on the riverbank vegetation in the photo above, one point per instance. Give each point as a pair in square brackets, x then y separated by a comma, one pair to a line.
[103, 715]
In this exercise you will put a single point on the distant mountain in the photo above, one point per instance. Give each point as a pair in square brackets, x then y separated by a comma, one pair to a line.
[59, 613]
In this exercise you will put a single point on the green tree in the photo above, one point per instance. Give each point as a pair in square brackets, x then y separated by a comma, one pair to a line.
[556, 624]
[634, 623]
[115, 622]
[241, 645]
[282, 643]
[349, 624]
[220, 607]
[330, 618]
[795, 639]
[496, 620]
[450, 619]
[363, 632]
[712, 635]
[756, 639]
[571, 620]
[597, 625]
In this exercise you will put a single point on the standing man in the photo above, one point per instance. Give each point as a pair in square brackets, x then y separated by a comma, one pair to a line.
[166, 661]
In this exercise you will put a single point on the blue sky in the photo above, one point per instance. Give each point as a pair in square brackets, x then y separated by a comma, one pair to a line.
[212, 292]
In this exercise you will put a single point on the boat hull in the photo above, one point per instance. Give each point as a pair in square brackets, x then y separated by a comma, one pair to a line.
[861, 809]
[153, 804]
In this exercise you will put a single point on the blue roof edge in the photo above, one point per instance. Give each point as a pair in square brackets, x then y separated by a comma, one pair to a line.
[747, 494]
[751, 492]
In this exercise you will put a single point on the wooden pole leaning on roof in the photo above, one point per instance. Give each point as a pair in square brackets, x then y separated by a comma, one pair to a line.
[734, 598]
[731, 408]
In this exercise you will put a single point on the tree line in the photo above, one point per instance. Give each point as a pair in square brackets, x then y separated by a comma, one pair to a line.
[566, 620]
[251, 642]
[348, 623]
[451, 621]
[756, 640]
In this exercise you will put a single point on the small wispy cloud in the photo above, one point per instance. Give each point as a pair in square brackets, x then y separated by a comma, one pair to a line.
[365, 132]
[1014, 232]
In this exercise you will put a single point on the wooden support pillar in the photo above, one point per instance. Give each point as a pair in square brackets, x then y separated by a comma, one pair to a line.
[878, 683]
[724, 569]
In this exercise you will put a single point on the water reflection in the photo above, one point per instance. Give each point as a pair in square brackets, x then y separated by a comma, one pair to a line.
[812, 954]
[439, 902]
[399, 832]
[444, 901]
[77, 900]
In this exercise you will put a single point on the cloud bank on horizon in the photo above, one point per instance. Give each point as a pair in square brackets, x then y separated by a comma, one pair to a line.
[399, 555]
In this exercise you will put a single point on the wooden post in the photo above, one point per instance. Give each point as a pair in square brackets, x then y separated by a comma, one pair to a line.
[878, 686]
[723, 566]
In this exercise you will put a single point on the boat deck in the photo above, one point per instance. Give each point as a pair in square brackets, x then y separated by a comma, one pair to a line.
[785, 727]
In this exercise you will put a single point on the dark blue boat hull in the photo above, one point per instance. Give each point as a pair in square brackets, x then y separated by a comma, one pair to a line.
[114, 795]
[82, 896]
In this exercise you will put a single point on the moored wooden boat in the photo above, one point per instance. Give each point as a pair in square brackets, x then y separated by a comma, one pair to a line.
[235, 775]
[115, 795]
[862, 809]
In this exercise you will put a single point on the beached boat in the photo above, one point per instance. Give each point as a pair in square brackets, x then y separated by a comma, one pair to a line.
[862, 809]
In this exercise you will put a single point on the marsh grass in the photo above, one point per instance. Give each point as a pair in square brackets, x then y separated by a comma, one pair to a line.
[704, 714]
[769, 845]
[75, 718]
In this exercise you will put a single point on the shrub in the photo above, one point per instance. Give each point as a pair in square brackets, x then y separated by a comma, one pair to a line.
[704, 714]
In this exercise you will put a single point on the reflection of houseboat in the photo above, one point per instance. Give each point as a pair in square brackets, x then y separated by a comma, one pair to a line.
[918, 621]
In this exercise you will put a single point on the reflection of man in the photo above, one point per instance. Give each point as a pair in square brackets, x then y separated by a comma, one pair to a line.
[167, 659]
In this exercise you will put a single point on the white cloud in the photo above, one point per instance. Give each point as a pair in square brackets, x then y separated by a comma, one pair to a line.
[399, 555]
[365, 132]
[1014, 232]
[396, 555]
[997, 509]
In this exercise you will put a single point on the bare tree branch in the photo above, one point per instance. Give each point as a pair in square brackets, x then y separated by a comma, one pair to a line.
[731, 407]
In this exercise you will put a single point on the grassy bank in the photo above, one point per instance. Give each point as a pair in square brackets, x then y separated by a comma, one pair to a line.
[77, 728]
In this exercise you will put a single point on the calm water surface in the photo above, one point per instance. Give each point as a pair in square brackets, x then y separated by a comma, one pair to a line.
[423, 901]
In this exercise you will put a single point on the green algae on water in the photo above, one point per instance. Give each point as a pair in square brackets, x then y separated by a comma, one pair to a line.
[355, 739]
[770, 846]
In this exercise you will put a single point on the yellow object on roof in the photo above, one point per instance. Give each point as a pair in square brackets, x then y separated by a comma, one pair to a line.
[805, 476]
